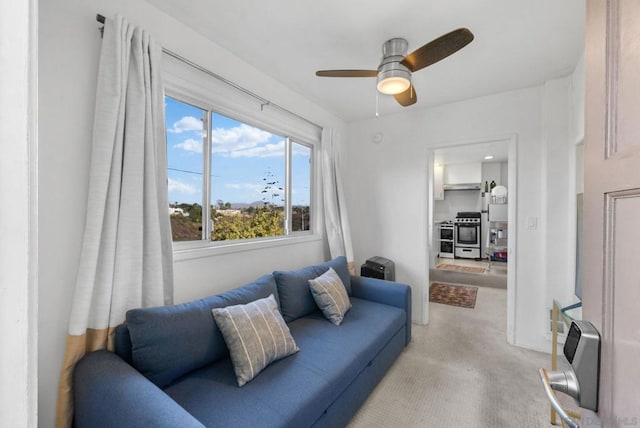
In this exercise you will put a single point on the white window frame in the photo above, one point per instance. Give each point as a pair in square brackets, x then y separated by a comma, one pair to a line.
[237, 108]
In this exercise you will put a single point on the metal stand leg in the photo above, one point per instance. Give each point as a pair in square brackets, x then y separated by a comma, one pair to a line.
[554, 350]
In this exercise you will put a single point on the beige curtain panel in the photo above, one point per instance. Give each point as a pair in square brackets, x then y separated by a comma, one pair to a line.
[126, 259]
[335, 206]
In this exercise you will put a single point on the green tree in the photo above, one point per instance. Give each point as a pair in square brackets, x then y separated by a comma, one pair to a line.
[195, 213]
[261, 222]
[253, 222]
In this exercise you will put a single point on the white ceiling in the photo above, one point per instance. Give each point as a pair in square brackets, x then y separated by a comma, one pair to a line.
[518, 43]
[472, 153]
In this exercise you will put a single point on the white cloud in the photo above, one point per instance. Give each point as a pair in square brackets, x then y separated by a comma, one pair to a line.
[190, 145]
[300, 150]
[245, 186]
[240, 141]
[186, 124]
[180, 187]
[243, 141]
[266, 151]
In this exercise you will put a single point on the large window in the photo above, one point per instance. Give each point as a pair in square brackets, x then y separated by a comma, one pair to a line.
[300, 186]
[253, 183]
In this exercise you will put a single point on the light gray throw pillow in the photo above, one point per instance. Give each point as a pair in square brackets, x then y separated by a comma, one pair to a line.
[256, 336]
[331, 296]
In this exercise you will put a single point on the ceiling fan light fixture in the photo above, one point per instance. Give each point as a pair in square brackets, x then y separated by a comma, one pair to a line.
[393, 76]
[393, 80]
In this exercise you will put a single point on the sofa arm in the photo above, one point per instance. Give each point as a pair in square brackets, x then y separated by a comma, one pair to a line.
[108, 392]
[387, 292]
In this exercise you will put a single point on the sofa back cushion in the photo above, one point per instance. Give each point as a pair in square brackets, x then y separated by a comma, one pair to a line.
[293, 287]
[122, 342]
[169, 341]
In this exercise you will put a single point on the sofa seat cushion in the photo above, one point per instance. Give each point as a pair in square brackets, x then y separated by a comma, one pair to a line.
[295, 391]
[341, 352]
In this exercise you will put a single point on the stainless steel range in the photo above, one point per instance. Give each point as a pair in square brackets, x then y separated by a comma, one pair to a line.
[467, 235]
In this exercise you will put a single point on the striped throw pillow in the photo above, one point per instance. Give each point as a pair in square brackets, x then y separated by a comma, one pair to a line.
[256, 336]
[331, 296]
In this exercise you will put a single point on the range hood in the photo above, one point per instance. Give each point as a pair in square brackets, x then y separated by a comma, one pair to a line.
[462, 186]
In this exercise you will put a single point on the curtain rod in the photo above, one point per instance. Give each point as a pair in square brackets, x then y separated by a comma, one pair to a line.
[263, 101]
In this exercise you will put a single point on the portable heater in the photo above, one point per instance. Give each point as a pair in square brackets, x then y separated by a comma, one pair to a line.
[380, 268]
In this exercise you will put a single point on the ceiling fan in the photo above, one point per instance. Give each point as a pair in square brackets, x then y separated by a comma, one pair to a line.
[394, 72]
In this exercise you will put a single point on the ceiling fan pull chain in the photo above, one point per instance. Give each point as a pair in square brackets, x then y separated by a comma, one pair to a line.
[377, 97]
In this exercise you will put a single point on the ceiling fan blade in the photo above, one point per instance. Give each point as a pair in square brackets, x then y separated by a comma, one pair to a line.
[347, 73]
[438, 49]
[407, 97]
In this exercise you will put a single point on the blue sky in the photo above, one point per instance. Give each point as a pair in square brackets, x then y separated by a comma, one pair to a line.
[242, 156]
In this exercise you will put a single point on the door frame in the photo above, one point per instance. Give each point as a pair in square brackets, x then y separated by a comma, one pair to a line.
[512, 167]
[19, 193]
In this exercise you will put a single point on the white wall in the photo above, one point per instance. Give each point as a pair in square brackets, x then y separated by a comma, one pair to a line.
[576, 156]
[495, 171]
[577, 101]
[18, 225]
[468, 200]
[388, 199]
[68, 63]
[456, 201]
[559, 204]
[504, 174]
[579, 168]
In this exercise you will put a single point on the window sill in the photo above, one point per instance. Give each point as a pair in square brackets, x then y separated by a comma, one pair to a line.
[197, 250]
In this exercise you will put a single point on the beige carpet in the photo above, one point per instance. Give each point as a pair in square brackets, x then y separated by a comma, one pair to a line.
[461, 268]
[459, 372]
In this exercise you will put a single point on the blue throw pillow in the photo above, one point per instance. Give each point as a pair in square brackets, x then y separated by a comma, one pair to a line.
[170, 341]
[293, 287]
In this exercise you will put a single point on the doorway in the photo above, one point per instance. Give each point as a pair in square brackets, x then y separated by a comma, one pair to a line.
[462, 189]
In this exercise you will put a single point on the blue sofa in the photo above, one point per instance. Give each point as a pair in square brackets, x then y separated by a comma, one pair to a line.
[171, 367]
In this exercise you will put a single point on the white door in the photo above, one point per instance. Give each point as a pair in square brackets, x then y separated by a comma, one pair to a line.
[611, 295]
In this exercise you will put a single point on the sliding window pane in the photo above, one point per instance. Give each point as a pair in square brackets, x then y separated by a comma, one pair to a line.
[247, 183]
[185, 168]
[300, 187]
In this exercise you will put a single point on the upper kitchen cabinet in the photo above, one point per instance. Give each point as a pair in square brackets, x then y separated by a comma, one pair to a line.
[468, 175]
[438, 190]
